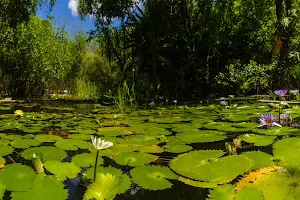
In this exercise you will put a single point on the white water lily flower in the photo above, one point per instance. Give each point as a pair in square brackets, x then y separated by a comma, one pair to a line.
[100, 144]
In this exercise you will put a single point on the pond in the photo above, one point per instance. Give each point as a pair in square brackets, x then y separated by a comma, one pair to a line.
[198, 152]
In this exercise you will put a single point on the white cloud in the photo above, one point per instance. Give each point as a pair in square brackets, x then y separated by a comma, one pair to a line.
[73, 6]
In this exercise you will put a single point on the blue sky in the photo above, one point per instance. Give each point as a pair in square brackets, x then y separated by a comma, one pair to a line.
[65, 13]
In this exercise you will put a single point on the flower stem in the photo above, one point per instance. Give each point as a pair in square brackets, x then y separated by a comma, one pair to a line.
[279, 111]
[96, 162]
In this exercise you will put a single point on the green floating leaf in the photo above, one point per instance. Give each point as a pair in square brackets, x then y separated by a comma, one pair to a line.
[153, 177]
[199, 184]
[177, 148]
[11, 137]
[124, 186]
[106, 186]
[259, 159]
[288, 152]
[201, 136]
[49, 153]
[222, 192]
[24, 143]
[259, 140]
[86, 160]
[73, 145]
[154, 131]
[205, 165]
[6, 150]
[249, 194]
[4, 142]
[80, 137]
[2, 190]
[172, 140]
[150, 149]
[2, 162]
[243, 117]
[138, 140]
[217, 125]
[44, 187]
[274, 183]
[134, 159]
[47, 138]
[62, 170]
[17, 177]
[276, 131]
[112, 131]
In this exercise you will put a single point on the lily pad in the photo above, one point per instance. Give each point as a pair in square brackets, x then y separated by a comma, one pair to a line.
[222, 192]
[4, 142]
[138, 140]
[201, 136]
[80, 137]
[47, 138]
[49, 153]
[62, 170]
[177, 148]
[135, 159]
[112, 131]
[24, 143]
[6, 150]
[206, 165]
[199, 184]
[86, 160]
[44, 187]
[2, 163]
[287, 152]
[17, 177]
[276, 131]
[274, 183]
[259, 159]
[259, 140]
[153, 177]
[71, 144]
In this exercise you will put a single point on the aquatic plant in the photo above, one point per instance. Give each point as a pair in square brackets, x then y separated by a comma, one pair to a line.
[135, 159]
[280, 93]
[224, 103]
[153, 177]
[268, 120]
[294, 92]
[18, 113]
[99, 145]
[37, 162]
[62, 170]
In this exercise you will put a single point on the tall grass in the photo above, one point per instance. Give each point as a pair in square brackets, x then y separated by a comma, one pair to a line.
[85, 89]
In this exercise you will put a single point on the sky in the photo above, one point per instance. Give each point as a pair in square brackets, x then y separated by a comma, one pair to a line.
[65, 13]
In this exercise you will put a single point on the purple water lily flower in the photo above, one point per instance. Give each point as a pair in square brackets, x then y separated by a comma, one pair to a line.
[280, 92]
[294, 91]
[285, 116]
[268, 120]
[224, 103]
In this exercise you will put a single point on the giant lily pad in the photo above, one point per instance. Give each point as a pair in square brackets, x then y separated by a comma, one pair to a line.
[206, 165]
[44, 187]
[274, 183]
[17, 177]
[153, 177]
[259, 140]
[49, 153]
[24, 143]
[259, 159]
[288, 152]
[62, 170]
[134, 159]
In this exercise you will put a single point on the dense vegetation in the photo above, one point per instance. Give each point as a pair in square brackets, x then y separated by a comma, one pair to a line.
[178, 49]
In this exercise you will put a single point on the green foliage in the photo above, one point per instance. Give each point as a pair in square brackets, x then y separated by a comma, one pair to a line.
[85, 89]
[17, 177]
[259, 140]
[153, 177]
[24, 143]
[44, 187]
[134, 159]
[177, 148]
[6, 150]
[222, 192]
[201, 136]
[49, 153]
[71, 144]
[86, 160]
[205, 165]
[259, 159]
[47, 138]
[62, 170]
[106, 187]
